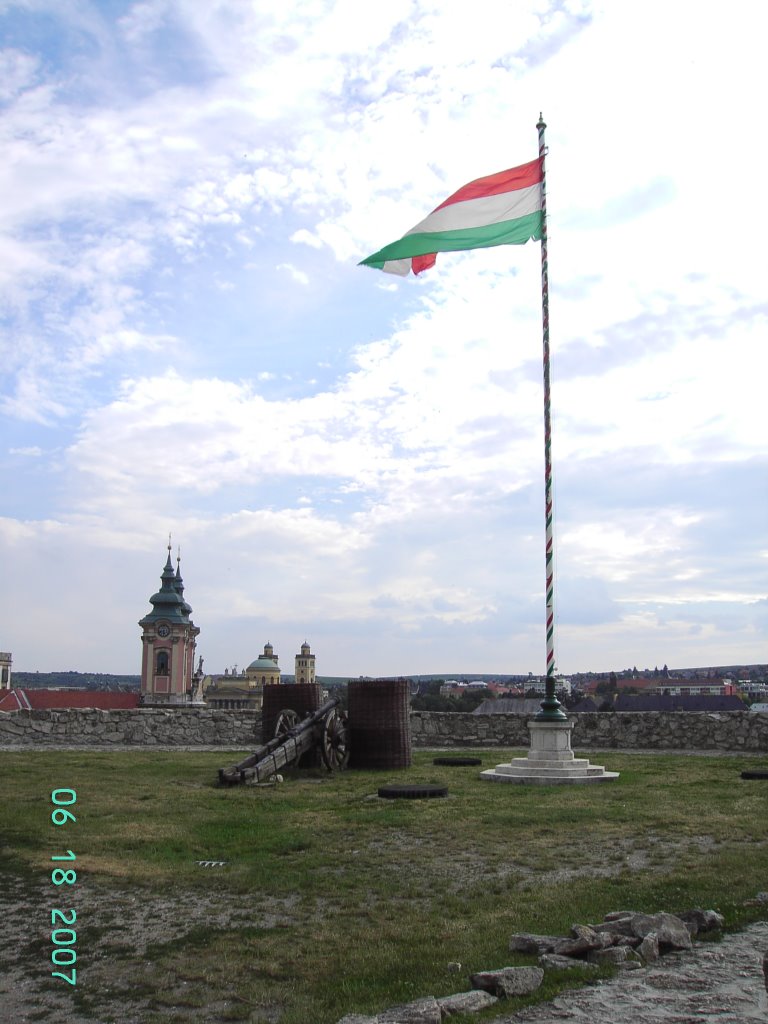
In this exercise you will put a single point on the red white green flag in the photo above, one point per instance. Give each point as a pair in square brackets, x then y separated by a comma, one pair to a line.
[502, 209]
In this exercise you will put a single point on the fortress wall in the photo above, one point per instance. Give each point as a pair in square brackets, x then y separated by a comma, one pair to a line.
[622, 730]
[678, 730]
[144, 727]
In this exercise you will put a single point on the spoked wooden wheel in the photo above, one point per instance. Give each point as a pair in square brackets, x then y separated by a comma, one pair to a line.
[334, 743]
[286, 720]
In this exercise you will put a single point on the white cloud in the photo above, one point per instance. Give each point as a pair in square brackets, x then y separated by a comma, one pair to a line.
[297, 275]
[33, 451]
[305, 237]
[396, 496]
[618, 551]
[18, 71]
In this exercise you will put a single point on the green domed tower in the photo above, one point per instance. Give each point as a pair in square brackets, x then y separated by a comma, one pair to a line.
[168, 641]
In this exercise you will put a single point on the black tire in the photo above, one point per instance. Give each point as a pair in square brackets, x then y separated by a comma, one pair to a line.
[754, 775]
[413, 792]
[457, 762]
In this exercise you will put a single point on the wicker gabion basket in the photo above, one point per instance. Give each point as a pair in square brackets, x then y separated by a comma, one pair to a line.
[301, 697]
[379, 723]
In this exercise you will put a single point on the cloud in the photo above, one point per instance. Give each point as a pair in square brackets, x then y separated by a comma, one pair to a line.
[18, 71]
[621, 208]
[298, 275]
[186, 190]
[33, 451]
[305, 237]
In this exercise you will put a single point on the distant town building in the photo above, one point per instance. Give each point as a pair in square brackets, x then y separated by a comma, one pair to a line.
[753, 690]
[701, 688]
[540, 684]
[5, 670]
[168, 641]
[452, 688]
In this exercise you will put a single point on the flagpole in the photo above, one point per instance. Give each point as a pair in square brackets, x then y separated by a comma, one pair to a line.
[551, 708]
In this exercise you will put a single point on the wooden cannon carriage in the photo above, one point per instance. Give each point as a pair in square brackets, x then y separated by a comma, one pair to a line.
[324, 729]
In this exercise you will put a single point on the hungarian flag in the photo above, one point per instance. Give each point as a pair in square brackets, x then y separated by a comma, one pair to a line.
[502, 209]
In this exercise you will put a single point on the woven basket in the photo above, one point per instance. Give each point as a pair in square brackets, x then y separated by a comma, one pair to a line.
[300, 697]
[379, 723]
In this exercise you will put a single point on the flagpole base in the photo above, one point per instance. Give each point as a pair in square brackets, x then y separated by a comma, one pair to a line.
[550, 761]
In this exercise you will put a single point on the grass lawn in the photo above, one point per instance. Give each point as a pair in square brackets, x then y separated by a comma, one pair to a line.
[333, 901]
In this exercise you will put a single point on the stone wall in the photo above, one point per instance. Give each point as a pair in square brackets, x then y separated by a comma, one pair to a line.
[623, 730]
[144, 727]
[629, 730]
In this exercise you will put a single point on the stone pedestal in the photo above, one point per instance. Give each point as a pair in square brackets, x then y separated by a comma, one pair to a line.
[550, 761]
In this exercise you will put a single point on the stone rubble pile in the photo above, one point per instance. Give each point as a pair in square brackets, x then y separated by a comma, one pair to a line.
[625, 938]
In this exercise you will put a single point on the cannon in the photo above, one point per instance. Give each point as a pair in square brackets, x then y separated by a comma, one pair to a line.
[324, 729]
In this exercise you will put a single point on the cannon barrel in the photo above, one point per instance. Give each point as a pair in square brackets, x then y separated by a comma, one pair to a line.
[284, 749]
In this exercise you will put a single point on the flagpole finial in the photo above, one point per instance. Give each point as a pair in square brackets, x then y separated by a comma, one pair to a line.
[541, 121]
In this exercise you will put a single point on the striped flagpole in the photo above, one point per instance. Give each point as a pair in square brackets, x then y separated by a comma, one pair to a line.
[551, 707]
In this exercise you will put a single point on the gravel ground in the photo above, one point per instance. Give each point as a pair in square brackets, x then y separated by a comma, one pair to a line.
[716, 983]
[114, 929]
[712, 984]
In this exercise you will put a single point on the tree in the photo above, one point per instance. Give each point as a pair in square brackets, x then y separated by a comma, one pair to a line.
[609, 686]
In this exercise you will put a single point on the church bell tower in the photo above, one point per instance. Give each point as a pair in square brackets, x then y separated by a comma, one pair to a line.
[168, 641]
[304, 665]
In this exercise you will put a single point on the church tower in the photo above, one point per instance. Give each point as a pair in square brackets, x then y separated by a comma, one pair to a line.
[5, 670]
[305, 665]
[168, 641]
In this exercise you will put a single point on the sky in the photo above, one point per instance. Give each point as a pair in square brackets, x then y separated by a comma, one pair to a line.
[188, 345]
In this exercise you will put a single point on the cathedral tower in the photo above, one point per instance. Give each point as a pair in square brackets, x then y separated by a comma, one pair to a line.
[305, 665]
[168, 640]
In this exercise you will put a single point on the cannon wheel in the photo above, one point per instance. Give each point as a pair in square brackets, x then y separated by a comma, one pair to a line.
[286, 720]
[334, 743]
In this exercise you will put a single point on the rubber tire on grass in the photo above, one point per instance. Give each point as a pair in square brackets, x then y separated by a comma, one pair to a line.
[412, 792]
[458, 762]
[754, 775]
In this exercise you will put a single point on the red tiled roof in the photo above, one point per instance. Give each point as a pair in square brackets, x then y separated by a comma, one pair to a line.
[13, 700]
[18, 700]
